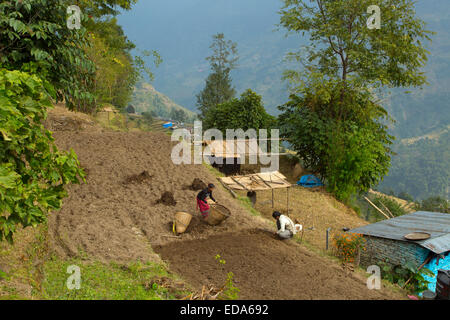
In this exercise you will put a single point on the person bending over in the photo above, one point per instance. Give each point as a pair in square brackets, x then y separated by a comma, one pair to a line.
[285, 226]
[202, 203]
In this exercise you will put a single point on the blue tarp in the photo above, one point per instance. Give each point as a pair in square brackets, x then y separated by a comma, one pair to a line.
[310, 181]
[168, 125]
[443, 264]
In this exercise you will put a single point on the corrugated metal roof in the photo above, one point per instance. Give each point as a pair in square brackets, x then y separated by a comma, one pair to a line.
[435, 223]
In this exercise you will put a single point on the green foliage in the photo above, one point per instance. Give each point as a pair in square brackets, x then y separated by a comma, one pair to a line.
[88, 67]
[339, 136]
[434, 204]
[421, 168]
[405, 196]
[219, 259]
[32, 170]
[245, 113]
[101, 281]
[99, 8]
[391, 56]
[230, 292]
[110, 51]
[401, 274]
[34, 37]
[178, 115]
[394, 207]
[117, 71]
[147, 117]
[336, 123]
[218, 88]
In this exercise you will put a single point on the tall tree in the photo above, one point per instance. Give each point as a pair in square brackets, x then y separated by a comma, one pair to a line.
[245, 113]
[334, 120]
[344, 46]
[218, 87]
[34, 37]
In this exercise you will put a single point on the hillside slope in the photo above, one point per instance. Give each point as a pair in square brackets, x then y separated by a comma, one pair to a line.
[147, 99]
[115, 218]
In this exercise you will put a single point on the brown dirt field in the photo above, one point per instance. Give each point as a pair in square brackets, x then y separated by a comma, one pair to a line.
[197, 184]
[138, 178]
[264, 268]
[113, 221]
[108, 220]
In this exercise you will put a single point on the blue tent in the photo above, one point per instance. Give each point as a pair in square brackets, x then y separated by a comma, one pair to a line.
[168, 125]
[310, 181]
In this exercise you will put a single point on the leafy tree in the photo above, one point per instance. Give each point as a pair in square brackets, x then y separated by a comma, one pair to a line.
[351, 153]
[394, 207]
[334, 120]
[34, 37]
[405, 196]
[148, 117]
[245, 113]
[100, 8]
[33, 172]
[218, 87]
[435, 204]
[110, 51]
[86, 66]
[178, 115]
[342, 46]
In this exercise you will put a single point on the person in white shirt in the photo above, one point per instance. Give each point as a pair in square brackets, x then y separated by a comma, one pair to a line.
[286, 228]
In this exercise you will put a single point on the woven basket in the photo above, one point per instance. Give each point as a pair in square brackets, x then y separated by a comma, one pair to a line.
[217, 214]
[182, 221]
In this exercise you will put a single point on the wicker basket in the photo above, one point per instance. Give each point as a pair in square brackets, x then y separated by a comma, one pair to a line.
[217, 214]
[182, 221]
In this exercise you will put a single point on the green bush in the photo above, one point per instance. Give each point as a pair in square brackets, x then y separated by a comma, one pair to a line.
[33, 172]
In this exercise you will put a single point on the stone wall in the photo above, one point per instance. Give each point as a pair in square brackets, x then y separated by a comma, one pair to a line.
[395, 251]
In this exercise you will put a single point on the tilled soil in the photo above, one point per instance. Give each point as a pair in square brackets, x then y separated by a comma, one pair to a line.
[167, 199]
[109, 220]
[264, 268]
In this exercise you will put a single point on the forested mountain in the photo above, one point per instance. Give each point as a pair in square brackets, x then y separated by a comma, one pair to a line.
[181, 31]
[421, 168]
[147, 99]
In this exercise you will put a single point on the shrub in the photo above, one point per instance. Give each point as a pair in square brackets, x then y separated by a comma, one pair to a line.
[348, 245]
[33, 172]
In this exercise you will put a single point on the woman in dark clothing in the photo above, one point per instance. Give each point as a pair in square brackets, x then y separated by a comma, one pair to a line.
[202, 203]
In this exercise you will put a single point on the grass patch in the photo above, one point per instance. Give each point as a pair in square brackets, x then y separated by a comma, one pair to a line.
[213, 170]
[247, 204]
[100, 281]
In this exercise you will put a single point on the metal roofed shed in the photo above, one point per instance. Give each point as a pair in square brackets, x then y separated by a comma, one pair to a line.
[435, 223]
[385, 240]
